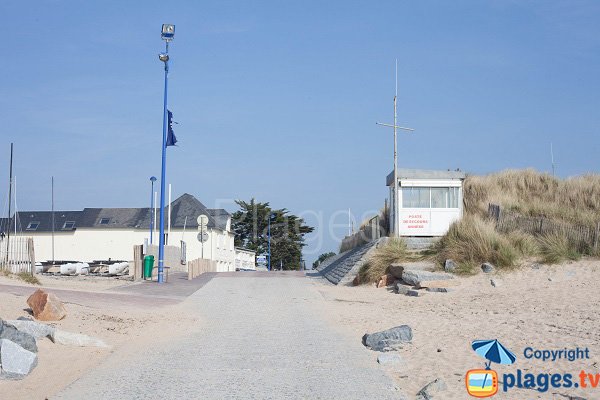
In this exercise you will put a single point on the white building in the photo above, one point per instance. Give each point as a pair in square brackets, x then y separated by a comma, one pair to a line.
[428, 201]
[245, 259]
[111, 233]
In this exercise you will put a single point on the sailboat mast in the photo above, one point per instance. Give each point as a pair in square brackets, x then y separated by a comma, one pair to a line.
[10, 183]
[52, 220]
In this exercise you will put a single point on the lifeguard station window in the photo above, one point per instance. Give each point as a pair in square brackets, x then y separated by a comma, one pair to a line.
[430, 197]
[416, 197]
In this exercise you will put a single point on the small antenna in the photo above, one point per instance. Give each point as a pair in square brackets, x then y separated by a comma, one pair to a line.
[396, 94]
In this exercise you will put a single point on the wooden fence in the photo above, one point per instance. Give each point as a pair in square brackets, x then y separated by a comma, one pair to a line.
[585, 238]
[199, 266]
[17, 255]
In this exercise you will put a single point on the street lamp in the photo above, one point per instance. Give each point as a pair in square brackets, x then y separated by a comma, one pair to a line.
[167, 34]
[271, 215]
[152, 180]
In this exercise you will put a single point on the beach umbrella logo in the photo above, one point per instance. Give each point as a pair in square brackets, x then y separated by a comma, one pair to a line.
[484, 382]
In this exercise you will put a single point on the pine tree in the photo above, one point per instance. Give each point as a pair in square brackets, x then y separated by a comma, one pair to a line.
[251, 226]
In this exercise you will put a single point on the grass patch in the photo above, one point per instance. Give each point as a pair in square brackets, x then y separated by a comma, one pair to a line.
[556, 248]
[24, 276]
[472, 241]
[29, 278]
[393, 251]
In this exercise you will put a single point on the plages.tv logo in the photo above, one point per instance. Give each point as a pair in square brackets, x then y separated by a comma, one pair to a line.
[484, 382]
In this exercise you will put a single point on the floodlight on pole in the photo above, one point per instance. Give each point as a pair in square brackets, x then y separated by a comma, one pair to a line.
[167, 34]
[396, 127]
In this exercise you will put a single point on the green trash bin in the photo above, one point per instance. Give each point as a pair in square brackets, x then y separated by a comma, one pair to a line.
[148, 265]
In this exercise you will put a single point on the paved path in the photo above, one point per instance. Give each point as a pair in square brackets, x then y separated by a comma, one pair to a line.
[256, 338]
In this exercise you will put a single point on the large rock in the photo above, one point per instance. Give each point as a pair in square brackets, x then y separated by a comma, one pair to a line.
[402, 288]
[487, 268]
[46, 306]
[397, 269]
[76, 339]
[417, 277]
[431, 389]
[16, 361]
[450, 266]
[388, 340]
[23, 339]
[35, 329]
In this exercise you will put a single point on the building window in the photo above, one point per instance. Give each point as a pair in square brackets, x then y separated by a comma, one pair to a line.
[434, 197]
[453, 197]
[104, 221]
[33, 226]
[69, 225]
[439, 197]
[416, 197]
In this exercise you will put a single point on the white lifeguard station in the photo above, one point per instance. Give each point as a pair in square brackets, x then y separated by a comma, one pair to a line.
[427, 201]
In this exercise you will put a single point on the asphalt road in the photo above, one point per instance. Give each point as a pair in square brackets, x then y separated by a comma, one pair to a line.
[256, 337]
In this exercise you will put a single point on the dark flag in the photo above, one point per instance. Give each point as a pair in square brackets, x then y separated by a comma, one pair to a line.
[171, 139]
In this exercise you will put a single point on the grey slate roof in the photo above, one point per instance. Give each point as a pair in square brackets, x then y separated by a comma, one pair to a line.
[44, 218]
[221, 216]
[137, 218]
[406, 173]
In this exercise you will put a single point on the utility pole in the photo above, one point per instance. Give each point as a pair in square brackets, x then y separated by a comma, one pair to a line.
[396, 207]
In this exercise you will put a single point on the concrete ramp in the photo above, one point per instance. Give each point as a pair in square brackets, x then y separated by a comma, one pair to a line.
[342, 268]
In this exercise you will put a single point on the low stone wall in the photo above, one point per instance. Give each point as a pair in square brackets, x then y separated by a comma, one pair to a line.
[172, 257]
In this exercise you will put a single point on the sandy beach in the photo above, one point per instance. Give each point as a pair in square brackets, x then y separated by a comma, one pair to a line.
[117, 325]
[548, 307]
[553, 307]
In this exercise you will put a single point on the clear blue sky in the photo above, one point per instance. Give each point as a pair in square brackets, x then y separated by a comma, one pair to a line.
[278, 100]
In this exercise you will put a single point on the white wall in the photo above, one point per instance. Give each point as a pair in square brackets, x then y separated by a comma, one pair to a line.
[245, 259]
[427, 221]
[117, 244]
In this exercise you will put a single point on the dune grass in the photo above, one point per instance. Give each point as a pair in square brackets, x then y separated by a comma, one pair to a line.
[393, 251]
[474, 239]
[556, 248]
[574, 200]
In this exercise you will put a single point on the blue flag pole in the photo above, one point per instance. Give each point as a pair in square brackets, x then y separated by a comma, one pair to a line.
[161, 239]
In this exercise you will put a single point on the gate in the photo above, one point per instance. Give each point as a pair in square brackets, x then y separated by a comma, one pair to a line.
[17, 255]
